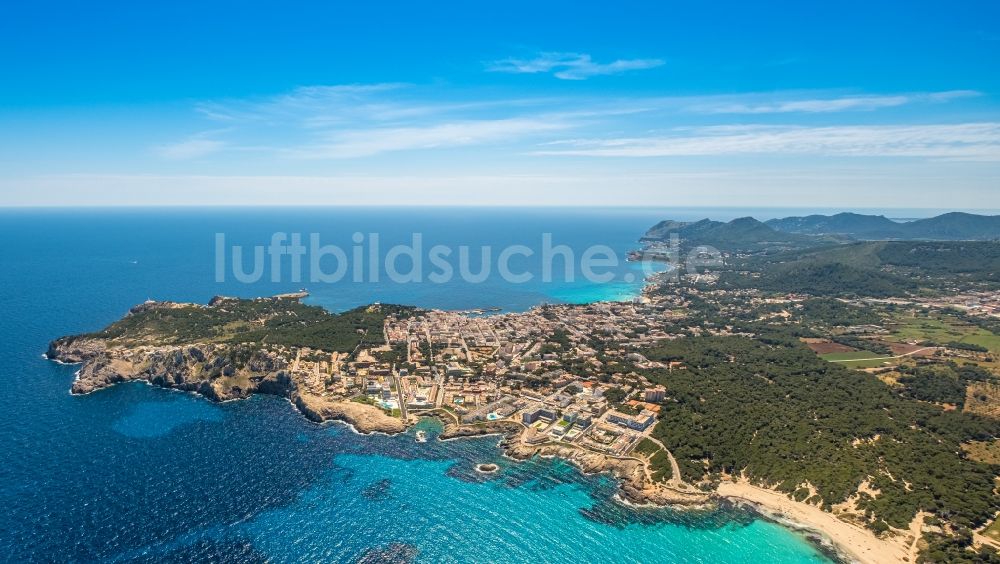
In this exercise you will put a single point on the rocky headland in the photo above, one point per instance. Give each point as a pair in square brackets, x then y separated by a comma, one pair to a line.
[231, 349]
[637, 487]
[217, 372]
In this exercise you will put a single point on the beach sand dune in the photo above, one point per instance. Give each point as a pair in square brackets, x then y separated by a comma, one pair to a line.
[853, 541]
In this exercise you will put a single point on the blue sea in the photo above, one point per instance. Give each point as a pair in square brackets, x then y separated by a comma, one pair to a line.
[136, 473]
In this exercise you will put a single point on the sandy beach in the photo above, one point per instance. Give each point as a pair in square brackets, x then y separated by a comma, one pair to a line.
[853, 541]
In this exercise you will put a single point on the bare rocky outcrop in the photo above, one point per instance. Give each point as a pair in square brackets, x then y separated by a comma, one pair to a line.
[521, 443]
[499, 427]
[365, 418]
[636, 486]
[213, 371]
[75, 350]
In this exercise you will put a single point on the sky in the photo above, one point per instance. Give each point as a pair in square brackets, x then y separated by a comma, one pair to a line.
[789, 104]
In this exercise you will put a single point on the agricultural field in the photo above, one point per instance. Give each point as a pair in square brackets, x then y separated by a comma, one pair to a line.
[993, 365]
[825, 346]
[908, 349]
[941, 328]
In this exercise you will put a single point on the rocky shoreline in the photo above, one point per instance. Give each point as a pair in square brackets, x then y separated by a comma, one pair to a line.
[209, 370]
[455, 431]
[196, 368]
[184, 368]
[191, 368]
[631, 473]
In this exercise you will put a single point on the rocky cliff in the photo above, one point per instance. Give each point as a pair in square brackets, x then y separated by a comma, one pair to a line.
[636, 485]
[219, 372]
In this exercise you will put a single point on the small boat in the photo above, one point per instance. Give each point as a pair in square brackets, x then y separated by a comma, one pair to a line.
[421, 436]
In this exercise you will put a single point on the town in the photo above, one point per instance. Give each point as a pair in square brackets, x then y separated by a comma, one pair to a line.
[484, 368]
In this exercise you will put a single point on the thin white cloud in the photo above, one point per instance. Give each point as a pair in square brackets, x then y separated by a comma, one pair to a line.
[823, 105]
[570, 66]
[328, 107]
[354, 121]
[368, 142]
[963, 142]
[807, 106]
[304, 99]
[949, 95]
[357, 121]
[189, 149]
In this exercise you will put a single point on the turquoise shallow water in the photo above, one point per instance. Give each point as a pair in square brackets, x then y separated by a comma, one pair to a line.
[136, 473]
[624, 289]
[382, 496]
[539, 520]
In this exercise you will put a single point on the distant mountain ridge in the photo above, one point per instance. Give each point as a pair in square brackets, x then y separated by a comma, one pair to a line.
[744, 232]
[748, 233]
[842, 224]
[953, 226]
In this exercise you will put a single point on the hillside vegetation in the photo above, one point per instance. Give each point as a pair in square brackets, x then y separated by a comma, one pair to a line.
[876, 269]
[275, 321]
[953, 226]
[745, 233]
[770, 407]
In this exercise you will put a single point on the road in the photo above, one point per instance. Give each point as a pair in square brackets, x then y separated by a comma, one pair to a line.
[399, 392]
[675, 470]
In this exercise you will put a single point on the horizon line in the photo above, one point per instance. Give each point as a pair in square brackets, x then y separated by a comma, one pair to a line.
[76, 207]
